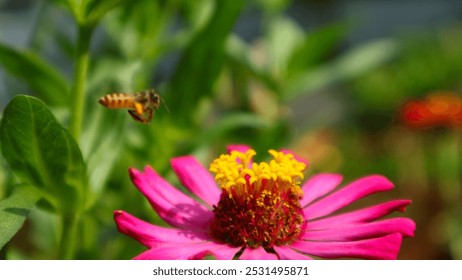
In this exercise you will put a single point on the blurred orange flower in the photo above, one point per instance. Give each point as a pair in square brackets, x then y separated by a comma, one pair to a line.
[438, 109]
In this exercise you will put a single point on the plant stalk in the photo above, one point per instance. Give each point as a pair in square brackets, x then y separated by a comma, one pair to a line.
[69, 221]
[68, 236]
[80, 75]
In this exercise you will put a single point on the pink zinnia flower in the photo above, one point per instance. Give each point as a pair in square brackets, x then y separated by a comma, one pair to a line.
[262, 211]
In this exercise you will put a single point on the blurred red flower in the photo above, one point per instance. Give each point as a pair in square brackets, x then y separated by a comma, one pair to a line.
[438, 109]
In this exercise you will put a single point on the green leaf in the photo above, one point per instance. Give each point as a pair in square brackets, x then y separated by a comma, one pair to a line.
[229, 123]
[97, 9]
[366, 57]
[315, 47]
[352, 64]
[76, 7]
[102, 145]
[284, 35]
[238, 53]
[43, 79]
[150, 31]
[14, 210]
[274, 6]
[42, 153]
[89, 12]
[202, 62]
[225, 126]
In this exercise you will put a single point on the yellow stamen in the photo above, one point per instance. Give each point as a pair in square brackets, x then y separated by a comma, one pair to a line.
[235, 171]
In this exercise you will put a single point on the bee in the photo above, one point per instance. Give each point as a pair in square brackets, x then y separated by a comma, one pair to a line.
[141, 105]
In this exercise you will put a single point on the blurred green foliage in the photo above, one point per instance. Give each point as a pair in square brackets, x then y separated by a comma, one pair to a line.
[219, 89]
[424, 163]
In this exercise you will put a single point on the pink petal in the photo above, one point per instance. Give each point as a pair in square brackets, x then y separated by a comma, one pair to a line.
[318, 186]
[188, 251]
[257, 254]
[360, 216]
[286, 253]
[175, 207]
[238, 147]
[225, 252]
[151, 235]
[343, 197]
[403, 226]
[196, 179]
[384, 248]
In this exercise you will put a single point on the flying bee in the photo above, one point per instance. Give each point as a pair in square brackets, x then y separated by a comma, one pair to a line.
[141, 105]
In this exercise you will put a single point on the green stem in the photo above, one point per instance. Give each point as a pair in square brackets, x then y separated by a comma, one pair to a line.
[68, 236]
[80, 75]
[69, 221]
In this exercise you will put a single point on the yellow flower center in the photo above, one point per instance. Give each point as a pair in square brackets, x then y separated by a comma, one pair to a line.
[259, 204]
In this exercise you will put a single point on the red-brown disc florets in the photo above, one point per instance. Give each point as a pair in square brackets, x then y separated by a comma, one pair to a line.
[259, 204]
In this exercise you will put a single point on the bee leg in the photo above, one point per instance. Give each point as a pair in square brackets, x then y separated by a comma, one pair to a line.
[137, 117]
[138, 108]
[150, 112]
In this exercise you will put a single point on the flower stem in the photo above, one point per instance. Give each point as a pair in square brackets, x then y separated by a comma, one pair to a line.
[68, 236]
[80, 74]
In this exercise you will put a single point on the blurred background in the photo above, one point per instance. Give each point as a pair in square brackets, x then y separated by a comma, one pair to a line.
[357, 87]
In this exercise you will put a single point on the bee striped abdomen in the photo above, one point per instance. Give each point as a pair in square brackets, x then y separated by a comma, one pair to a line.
[117, 101]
